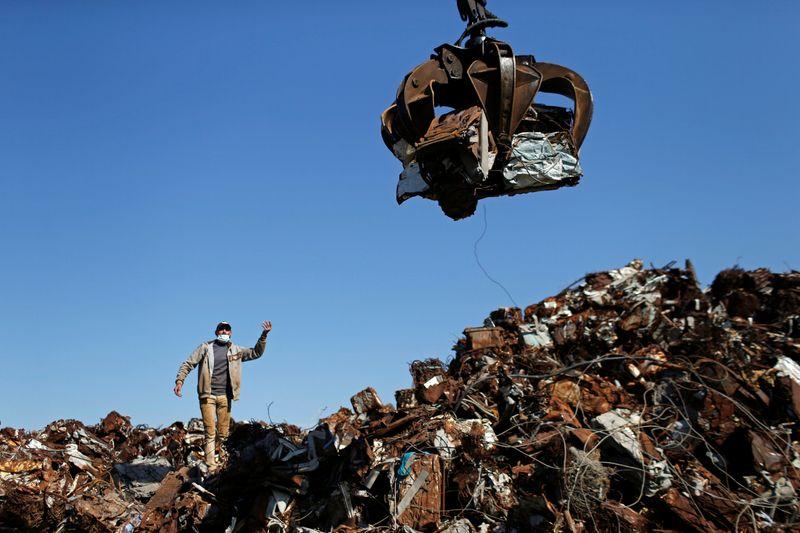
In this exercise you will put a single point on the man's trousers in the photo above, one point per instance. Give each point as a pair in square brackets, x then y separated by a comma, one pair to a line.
[216, 411]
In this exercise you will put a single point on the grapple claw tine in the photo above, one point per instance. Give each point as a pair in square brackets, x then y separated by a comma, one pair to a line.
[566, 82]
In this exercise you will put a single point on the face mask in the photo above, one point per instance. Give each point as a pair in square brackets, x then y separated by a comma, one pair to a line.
[224, 339]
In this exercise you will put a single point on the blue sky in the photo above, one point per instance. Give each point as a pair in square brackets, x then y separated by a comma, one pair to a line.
[167, 165]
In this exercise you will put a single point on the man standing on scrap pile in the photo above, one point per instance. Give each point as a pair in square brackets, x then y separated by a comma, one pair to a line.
[218, 380]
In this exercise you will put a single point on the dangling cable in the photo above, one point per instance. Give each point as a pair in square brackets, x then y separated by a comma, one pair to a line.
[477, 259]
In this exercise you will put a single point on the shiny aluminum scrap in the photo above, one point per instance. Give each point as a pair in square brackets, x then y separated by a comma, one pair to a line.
[496, 140]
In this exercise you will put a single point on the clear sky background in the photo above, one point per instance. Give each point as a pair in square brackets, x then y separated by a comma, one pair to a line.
[166, 165]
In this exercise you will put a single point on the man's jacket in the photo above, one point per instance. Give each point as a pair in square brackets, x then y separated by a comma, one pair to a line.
[204, 356]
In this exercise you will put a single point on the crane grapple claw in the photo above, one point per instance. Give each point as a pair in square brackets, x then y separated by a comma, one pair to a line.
[496, 140]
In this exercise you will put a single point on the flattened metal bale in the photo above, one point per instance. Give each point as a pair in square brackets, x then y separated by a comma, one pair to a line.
[430, 380]
[479, 338]
[366, 401]
[421, 494]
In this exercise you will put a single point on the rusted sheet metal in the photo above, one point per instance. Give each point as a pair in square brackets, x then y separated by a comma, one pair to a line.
[366, 401]
[15, 467]
[479, 338]
[431, 382]
[170, 487]
[422, 492]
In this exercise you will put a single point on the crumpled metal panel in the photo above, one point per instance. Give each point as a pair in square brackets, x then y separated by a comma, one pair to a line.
[541, 161]
[421, 494]
[143, 476]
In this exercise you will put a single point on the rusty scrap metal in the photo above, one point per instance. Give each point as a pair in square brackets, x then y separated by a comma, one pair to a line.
[642, 402]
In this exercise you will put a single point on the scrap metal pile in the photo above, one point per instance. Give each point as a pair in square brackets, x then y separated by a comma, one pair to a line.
[633, 401]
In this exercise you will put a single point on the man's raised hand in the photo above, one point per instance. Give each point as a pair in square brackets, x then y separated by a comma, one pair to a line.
[267, 325]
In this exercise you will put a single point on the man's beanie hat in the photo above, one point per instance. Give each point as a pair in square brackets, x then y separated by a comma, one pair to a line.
[222, 325]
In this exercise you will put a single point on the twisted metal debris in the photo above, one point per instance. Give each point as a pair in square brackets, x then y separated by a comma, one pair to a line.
[633, 401]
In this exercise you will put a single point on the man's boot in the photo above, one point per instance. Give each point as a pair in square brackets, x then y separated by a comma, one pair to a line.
[211, 459]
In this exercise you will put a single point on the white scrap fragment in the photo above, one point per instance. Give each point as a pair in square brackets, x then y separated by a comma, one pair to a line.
[72, 487]
[660, 477]
[34, 444]
[598, 297]
[278, 503]
[379, 451]
[444, 444]
[536, 336]
[459, 526]
[699, 485]
[501, 482]
[766, 520]
[435, 380]
[619, 425]
[787, 367]
[621, 276]
[77, 458]
[616, 423]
